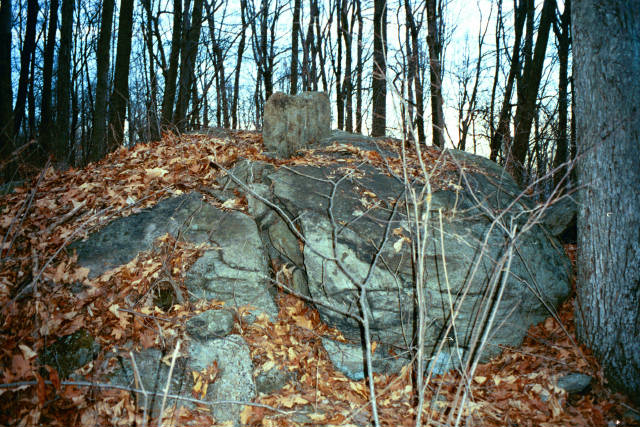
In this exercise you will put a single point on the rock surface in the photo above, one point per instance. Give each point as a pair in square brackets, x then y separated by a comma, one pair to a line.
[358, 216]
[340, 226]
[292, 123]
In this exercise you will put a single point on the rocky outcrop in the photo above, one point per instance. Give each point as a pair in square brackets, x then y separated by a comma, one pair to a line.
[342, 227]
[292, 123]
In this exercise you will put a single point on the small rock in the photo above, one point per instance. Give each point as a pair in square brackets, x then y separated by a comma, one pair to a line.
[210, 324]
[574, 383]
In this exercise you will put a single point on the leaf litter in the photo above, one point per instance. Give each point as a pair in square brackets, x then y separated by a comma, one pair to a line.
[45, 295]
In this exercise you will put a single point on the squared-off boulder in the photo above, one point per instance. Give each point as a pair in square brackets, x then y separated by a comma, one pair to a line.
[295, 122]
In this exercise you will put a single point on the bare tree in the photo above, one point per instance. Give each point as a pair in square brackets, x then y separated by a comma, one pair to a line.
[171, 76]
[606, 69]
[46, 112]
[295, 35]
[120, 95]
[563, 36]
[62, 137]
[28, 48]
[241, 46]
[379, 83]
[6, 91]
[152, 102]
[527, 97]
[435, 43]
[188, 55]
[414, 72]
[98, 129]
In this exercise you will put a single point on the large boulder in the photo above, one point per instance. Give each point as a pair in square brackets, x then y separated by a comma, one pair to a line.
[292, 123]
[343, 233]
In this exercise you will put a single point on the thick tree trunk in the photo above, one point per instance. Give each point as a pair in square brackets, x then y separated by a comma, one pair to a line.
[28, 47]
[46, 113]
[98, 129]
[532, 74]
[435, 45]
[120, 96]
[6, 91]
[295, 32]
[606, 40]
[379, 81]
[172, 74]
[63, 85]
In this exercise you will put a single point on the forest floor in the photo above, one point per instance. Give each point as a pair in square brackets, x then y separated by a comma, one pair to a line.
[43, 216]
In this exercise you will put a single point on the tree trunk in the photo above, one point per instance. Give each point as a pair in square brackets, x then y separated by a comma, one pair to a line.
[172, 74]
[414, 74]
[6, 91]
[63, 84]
[502, 133]
[152, 102]
[236, 83]
[98, 129]
[379, 82]
[435, 45]
[563, 36]
[606, 67]
[347, 87]
[337, 66]
[46, 112]
[187, 67]
[28, 47]
[295, 32]
[532, 75]
[360, 69]
[120, 96]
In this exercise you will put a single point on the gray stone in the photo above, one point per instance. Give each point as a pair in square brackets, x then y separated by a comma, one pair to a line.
[235, 380]
[236, 271]
[561, 215]
[538, 274]
[120, 241]
[349, 359]
[210, 324]
[574, 382]
[292, 123]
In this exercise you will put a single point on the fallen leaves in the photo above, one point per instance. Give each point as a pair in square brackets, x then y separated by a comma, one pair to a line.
[38, 220]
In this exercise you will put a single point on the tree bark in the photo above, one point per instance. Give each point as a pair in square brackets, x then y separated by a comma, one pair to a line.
[120, 96]
[606, 40]
[525, 112]
[295, 32]
[337, 66]
[360, 69]
[236, 83]
[435, 45]
[152, 102]
[98, 129]
[28, 47]
[63, 85]
[187, 67]
[46, 112]
[502, 133]
[6, 91]
[563, 37]
[414, 76]
[172, 74]
[379, 82]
